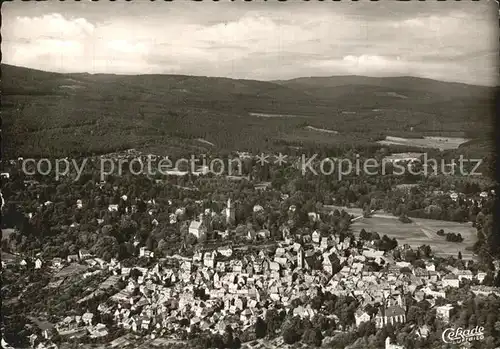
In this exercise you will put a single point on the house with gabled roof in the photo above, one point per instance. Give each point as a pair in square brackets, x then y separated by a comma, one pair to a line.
[392, 314]
[464, 274]
[316, 236]
[421, 273]
[198, 229]
[38, 263]
[225, 251]
[430, 266]
[57, 262]
[220, 266]
[451, 280]
[443, 312]
[84, 254]
[361, 316]
[209, 259]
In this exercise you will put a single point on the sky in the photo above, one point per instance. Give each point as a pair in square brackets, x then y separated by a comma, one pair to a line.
[449, 41]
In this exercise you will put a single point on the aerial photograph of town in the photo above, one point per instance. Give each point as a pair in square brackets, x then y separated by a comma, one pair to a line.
[249, 174]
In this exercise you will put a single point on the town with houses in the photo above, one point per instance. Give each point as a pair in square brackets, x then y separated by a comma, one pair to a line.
[249, 175]
[235, 293]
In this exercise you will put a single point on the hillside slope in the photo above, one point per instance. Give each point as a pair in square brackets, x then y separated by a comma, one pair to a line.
[51, 114]
[432, 105]
[450, 89]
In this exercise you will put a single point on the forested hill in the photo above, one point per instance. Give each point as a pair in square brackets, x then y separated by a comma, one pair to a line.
[51, 114]
[408, 83]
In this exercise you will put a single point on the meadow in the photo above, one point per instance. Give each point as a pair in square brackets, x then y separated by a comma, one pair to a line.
[420, 232]
[6, 233]
[442, 143]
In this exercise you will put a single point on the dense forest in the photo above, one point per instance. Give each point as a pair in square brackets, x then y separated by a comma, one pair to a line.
[53, 115]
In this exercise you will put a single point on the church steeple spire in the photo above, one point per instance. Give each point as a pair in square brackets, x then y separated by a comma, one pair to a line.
[230, 212]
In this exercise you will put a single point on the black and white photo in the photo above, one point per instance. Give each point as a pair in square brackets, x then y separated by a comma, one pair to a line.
[249, 174]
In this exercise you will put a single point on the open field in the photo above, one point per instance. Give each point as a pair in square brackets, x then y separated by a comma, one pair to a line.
[265, 115]
[70, 270]
[396, 157]
[6, 233]
[442, 143]
[42, 324]
[7, 257]
[351, 210]
[419, 232]
[205, 141]
[321, 129]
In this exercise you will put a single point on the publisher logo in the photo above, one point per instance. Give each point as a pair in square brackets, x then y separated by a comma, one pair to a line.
[460, 335]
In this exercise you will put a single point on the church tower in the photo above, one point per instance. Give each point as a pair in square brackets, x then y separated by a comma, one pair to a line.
[300, 258]
[230, 212]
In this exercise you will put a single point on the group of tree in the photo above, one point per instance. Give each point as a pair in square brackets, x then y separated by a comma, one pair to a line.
[454, 237]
